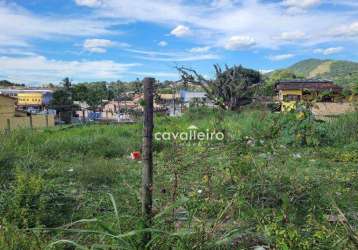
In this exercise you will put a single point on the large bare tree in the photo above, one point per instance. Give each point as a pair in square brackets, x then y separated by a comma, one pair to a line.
[231, 88]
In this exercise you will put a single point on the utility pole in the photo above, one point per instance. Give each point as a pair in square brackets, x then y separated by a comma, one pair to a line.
[147, 181]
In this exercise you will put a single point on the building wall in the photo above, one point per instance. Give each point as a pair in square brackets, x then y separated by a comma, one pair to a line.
[289, 92]
[38, 121]
[7, 106]
[46, 94]
[47, 98]
[30, 99]
[187, 96]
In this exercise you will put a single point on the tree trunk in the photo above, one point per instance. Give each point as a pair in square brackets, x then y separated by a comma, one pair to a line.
[147, 182]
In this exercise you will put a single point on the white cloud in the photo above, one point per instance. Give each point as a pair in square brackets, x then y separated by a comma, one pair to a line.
[162, 44]
[222, 3]
[239, 42]
[16, 51]
[200, 49]
[281, 57]
[181, 31]
[183, 58]
[303, 4]
[97, 45]
[263, 20]
[265, 71]
[38, 69]
[172, 56]
[350, 30]
[18, 26]
[89, 3]
[292, 36]
[328, 51]
[172, 75]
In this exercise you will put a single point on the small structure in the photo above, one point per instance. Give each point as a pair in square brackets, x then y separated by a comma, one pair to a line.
[168, 99]
[292, 91]
[10, 118]
[194, 98]
[30, 98]
[117, 106]
[7, 106]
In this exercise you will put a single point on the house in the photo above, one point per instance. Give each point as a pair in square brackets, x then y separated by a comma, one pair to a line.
[117, 106]
[83, 111]
[167, 99]
[292, 91]
[30, 98]
[10, 118]
[188, 98]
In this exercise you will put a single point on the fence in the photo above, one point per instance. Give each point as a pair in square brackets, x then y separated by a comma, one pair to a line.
[33, 121]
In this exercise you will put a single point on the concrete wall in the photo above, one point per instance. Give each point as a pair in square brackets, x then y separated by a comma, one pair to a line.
[38, 121]
[7, 106]
[289, 92]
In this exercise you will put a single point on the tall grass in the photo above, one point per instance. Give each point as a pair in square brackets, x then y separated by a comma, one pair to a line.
[273, 182]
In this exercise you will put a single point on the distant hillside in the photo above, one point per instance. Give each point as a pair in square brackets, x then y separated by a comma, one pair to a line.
[342, 72]
[7, 84]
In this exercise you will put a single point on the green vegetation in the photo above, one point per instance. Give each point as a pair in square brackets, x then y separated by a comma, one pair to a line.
[7, 84]
[282, 181]
[342, 72]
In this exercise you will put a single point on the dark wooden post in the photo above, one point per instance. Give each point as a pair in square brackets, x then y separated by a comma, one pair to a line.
[31, 121]
[83, 116]
[46, 120]
[174, 103]
[147, 182]
[8, 125]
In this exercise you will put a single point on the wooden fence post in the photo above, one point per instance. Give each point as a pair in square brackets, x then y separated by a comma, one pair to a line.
[147, 181]
[83, 116]
[31, 126]
[46, 120]
[8, 125]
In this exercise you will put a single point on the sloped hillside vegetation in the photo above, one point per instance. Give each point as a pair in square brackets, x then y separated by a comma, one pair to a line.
[342, 72]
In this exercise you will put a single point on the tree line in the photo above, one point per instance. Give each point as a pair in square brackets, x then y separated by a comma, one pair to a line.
[230, 88]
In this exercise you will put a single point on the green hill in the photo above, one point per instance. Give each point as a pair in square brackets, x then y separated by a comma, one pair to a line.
[7, 84]
[342, 72]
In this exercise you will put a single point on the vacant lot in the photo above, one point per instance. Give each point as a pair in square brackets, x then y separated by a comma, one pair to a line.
[278, 181]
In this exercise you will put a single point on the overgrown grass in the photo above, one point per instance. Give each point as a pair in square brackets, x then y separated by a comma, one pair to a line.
[278, 181]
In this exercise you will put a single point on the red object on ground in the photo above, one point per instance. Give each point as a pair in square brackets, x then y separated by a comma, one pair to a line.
[135, 155]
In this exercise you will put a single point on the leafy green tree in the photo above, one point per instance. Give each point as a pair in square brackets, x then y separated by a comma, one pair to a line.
[80, 92]
[96, 93]
[117, 90]
[67, 84]
[137, 86]
[63, 96]
[62, 100]
[355, 88]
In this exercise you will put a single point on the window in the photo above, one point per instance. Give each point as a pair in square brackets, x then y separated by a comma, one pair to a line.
[289, 98]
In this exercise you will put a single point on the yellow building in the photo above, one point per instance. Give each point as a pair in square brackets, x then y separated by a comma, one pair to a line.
[293, 91]
[30, 99]
[11, 119]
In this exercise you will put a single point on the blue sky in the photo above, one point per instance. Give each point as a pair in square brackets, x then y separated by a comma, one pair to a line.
[44, 41]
